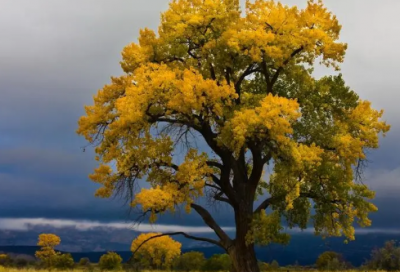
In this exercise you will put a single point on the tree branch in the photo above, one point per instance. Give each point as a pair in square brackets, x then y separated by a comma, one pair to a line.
[238, 85]
[271, 200]
[209, 220]
[280, 69]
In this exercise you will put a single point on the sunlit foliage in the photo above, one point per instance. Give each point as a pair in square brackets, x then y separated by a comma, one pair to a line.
[156, 253]
[241, 82]
[47, 253]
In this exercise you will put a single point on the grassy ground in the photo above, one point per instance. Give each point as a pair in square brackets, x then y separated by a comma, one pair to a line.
[2, 269]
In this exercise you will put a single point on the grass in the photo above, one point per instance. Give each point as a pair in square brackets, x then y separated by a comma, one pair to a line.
[3, 269]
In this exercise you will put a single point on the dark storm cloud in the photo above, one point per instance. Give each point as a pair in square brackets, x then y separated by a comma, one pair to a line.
[54, 55]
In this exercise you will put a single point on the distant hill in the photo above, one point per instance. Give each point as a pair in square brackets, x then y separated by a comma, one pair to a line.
[303, 249]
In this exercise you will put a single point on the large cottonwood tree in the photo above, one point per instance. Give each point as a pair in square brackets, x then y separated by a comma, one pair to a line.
[241, 82]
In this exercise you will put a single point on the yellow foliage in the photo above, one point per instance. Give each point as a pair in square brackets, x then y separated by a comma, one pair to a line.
[240, 82]
[158, 252]
[47, 242]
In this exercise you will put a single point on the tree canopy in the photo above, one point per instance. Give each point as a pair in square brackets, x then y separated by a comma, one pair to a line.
[47, 253]
[241, 83]
[156, 253]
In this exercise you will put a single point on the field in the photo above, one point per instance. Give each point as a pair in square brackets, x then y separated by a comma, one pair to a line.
[2, 269]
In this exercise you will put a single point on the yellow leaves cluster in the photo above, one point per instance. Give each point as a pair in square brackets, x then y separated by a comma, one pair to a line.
[271, 31]
[183, 186]
[158, 251]
[161, 90]
[359, 131]
[271, 120]
[47, 242]
[200, 33]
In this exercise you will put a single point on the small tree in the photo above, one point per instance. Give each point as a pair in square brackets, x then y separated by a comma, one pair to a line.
[84, 262]
[386, 258]
[330, 260]
[47, 253]
[190, 261]
[64, 261]
[156, 253]
[274, 265]
[20, 262]
[110, 261]
[5, 260]
[218, 262]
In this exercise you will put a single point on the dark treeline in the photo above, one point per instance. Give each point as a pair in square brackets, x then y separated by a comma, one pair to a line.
[385, 258]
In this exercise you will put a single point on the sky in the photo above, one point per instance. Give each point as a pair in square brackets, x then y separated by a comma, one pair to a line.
[55, 55]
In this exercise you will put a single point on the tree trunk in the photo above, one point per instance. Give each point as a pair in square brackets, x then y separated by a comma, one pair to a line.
[243, 258]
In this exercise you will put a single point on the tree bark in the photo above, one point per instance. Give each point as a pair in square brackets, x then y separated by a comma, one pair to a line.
[243, 256]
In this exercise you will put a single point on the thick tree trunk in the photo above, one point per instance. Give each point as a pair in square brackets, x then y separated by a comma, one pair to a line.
[243, 258]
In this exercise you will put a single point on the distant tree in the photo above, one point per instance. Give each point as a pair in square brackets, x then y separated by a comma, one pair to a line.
[274, 265]
[47, 253]
[330, 260]
[5, 260]
[386, 258]
[218, 262]
[262, 266]
[64, 261]
[20, 262]
[190, 261]
[156, 253]
[110, 261]
[84, 262]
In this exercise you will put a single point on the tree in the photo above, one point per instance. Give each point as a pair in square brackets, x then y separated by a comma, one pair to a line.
[218, 262]
[47, 254]
[156, 253]
[5, 260]
[330, 260]
[386, 258]
[64, 261]
[274, 265]
[241, 84]
[110, 261]
[190, 261]
[84, 261]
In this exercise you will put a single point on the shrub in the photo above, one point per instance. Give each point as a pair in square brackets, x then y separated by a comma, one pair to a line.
[330, 260]
[5, 260]
[218, 262]
[20, 262]
[110, 261]
[274, 265]
[190, 261]
[64, 261]
[84, 262]
[386, 258]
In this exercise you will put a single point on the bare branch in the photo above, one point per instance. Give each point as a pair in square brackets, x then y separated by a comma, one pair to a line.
[209, 220]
